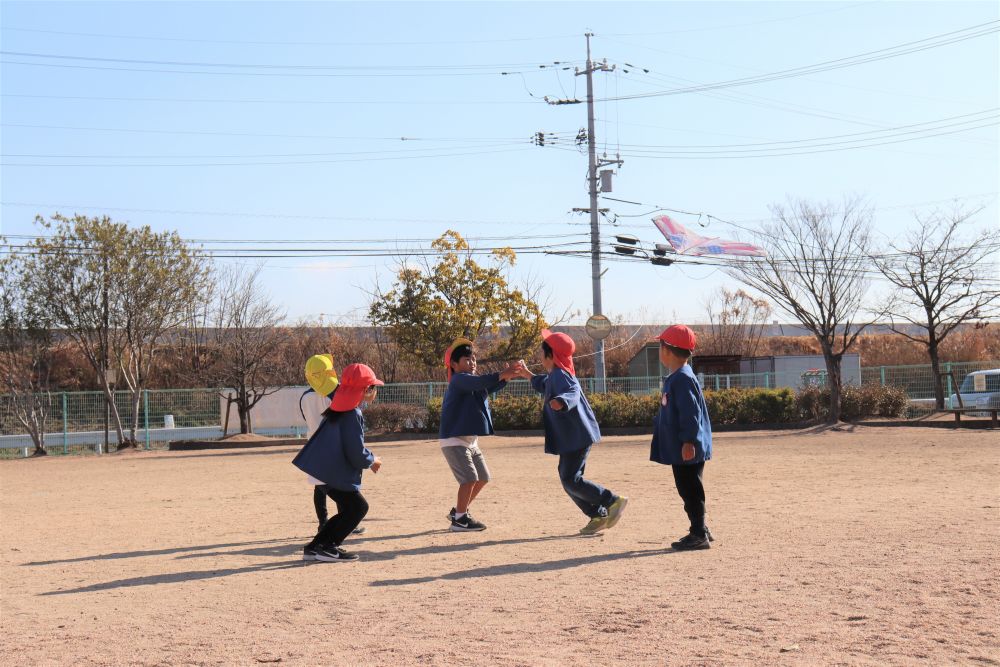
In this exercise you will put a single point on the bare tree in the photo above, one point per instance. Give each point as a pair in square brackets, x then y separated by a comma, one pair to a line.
[247, 340]
[115, 291]
[26, 343]
[940, 281]
[816, 272]
[736, 323]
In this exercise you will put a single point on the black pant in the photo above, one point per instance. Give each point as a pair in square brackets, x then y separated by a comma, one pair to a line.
[319, 502]
[692, 491]
[351, 509]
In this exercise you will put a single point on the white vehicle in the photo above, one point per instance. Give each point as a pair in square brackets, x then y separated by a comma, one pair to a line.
[980, 389]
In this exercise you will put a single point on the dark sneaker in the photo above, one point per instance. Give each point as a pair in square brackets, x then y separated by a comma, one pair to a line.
[360, 530]
[709, 535]
[691, 542]
[466, 524]
[451, 514]
[308, 552]
[334, 555]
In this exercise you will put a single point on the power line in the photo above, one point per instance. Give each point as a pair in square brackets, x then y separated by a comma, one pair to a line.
[906, 48]
[152, 38]
[258, 74]
[791, 150]
[281, 216]
[260, 164]
[158, 100]
[221, 133]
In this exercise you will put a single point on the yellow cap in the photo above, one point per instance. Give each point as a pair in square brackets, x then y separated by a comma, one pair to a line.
[321, 375]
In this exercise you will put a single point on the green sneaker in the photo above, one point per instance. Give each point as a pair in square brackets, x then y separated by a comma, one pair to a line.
[596, 524]
[616, 510]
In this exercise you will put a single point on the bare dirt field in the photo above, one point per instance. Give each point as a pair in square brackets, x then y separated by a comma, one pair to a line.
[869, 546]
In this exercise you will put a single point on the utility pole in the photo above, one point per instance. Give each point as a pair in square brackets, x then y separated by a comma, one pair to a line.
[595, 228]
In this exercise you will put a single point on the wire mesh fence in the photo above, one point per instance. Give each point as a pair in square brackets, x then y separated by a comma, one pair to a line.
[75, 421]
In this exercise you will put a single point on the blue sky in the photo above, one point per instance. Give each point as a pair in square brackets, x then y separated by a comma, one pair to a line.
[326, 89]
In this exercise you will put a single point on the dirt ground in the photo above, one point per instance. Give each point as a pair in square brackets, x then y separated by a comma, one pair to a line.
[870, 546]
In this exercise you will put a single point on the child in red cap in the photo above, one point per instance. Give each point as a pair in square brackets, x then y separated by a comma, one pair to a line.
[682, 437]
[336, 454]
[571, 430]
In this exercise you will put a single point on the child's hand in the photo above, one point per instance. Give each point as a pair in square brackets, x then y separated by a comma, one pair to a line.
[376, 464]
[688, 451]
[557, 404]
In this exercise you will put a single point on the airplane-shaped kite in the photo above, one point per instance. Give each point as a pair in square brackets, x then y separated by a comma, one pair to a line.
[686, 242]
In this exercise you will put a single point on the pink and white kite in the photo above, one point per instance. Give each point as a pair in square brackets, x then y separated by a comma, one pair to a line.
[686, 242]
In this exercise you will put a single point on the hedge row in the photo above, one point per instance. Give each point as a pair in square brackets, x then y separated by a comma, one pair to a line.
[725, 407]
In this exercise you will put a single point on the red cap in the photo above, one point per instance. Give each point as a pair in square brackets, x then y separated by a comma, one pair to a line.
[563, 348]
[679, 336]
[354, 381]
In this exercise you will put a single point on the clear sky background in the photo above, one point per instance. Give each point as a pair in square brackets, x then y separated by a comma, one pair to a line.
[296, 137]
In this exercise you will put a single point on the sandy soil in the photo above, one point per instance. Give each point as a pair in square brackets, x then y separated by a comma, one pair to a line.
[877, 546]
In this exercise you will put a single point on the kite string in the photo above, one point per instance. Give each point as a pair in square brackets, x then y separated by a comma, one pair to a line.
[590, 354]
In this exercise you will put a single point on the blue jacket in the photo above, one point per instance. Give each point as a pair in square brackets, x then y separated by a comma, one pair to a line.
[466, 406]
[682, 417]
[572, 428]
[336, 453]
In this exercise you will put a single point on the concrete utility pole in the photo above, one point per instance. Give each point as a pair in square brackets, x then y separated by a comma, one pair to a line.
[592, 186]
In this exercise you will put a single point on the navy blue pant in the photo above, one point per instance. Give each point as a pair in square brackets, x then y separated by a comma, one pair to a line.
[691, 489]
[593, 499]
[351, 509]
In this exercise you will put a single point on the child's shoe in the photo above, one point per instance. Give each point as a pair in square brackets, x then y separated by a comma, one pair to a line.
[692, 542]
[334, 555]
[596, 524]
[309, 552]
[360, 530]
[615, 511]
[466, 524]
[709, 535]
[451, 514]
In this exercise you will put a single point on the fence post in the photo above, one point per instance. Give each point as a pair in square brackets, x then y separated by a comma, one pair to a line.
[430, 391]
[881, 374]
[767, 380]
[145, 413]
[65, 426]
[716, 382]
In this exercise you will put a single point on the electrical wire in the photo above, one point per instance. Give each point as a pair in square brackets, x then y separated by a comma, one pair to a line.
[934, 41]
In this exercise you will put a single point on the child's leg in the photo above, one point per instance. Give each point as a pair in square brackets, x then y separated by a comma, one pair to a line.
[465, 496]
[593, 499]
[688, 479]
[319, 502]
[482, 472]
[351, 509]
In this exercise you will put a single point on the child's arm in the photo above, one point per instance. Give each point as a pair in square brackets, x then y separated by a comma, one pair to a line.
[685, 398]
[565, 393]
[470, 383]
[353, 439]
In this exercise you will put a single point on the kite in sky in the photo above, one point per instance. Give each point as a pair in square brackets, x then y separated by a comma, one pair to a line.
[686, 242]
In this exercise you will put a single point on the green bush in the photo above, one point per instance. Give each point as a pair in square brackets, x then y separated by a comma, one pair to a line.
[618, 410]
[751, 406]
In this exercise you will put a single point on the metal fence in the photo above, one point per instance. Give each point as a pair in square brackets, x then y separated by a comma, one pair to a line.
[75, 420]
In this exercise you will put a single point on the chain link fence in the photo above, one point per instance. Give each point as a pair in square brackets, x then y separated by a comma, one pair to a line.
[75, 421]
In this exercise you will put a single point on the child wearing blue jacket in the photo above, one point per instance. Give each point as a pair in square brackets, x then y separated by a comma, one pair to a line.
[682, 434]
[336, 454]
[571, 430]
[465, 415]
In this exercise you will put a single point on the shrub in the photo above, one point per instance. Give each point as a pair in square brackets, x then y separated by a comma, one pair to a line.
[856, 402]
[751, 406]
[619, 410]
[395, 417]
